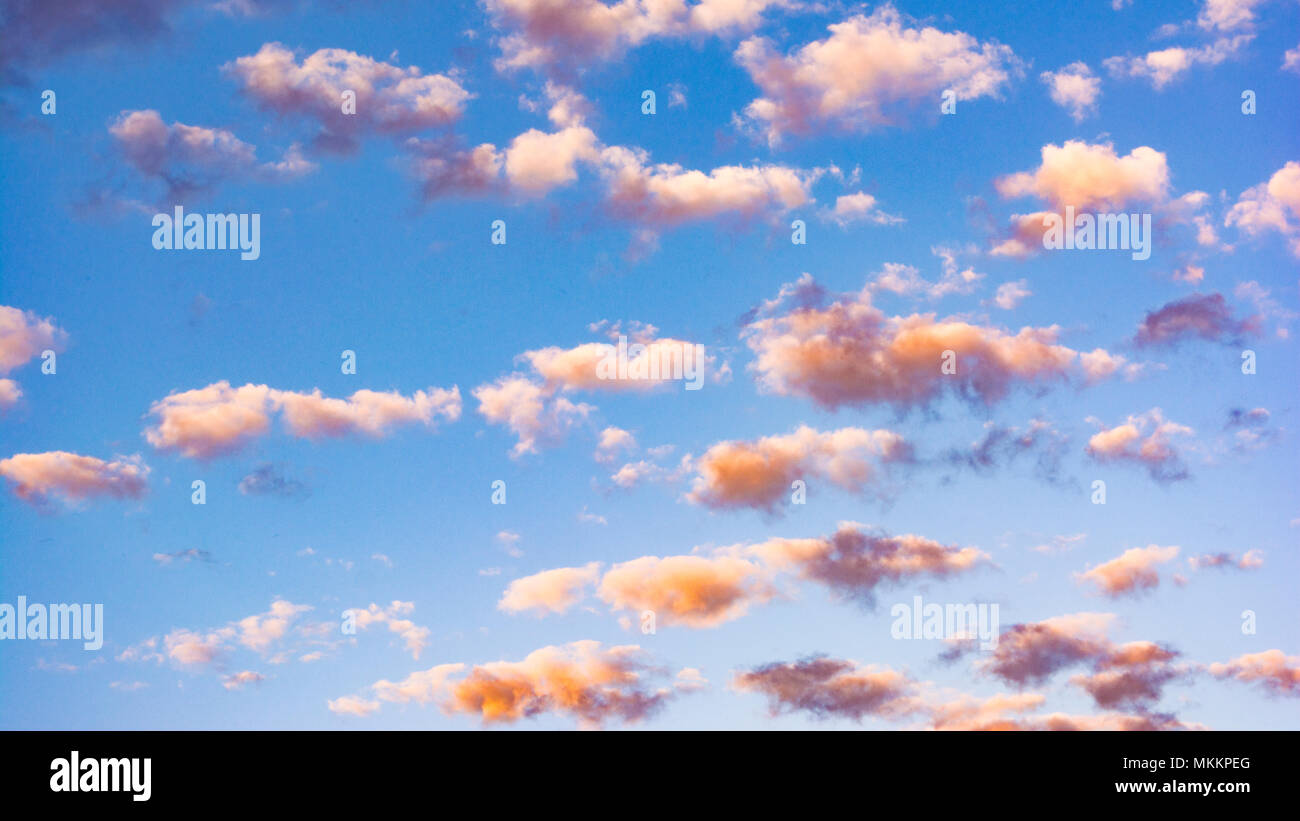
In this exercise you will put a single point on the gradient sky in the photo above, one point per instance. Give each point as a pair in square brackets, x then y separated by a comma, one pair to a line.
[766, 113]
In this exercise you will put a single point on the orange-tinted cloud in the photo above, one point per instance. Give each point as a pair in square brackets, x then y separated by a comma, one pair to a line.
[582, 680]
[551, 591]
[694, 591]
[851, 353]
[1133, 571]
[40, 477]
[759, 473]
[1143, 439]
[218, 420]
[867, 73]
[1274, 670]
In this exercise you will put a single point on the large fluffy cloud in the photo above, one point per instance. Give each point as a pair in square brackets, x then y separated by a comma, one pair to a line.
[866, 73]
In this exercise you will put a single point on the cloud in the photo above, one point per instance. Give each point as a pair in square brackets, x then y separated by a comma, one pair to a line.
[1164, 66]
[1143, 439]
[218, 420]
[24, 335]
[1029, 654]
[38, 478]
[614, 440]
[564, 36]
[237, 681]
[828, 688]
[1275, 671]
[268, 480]
[1091, 177]
[1132, 572]
[1227, 15]
[1074, 88]
[860, 207]
[551, 591]
[537, 417]
[415, 637]
[706, 590]
[1198, 316]
[867, 73]
[1005, 444]
[259, 632]
[905, 280]
[652, 362]
[193, 554]
[851, 353]
[353, 706]
[1011, 294]
[1271, 206]
[10, 393]
[582, 680]
[853, 563]
[666, 194]
[191, 161]
[831, 688]
[1252, 560]
[38, 31]
[693, 591]
[389, 100]
[759, 473]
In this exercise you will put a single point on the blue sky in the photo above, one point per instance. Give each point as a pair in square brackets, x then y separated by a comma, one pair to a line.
[354, 258]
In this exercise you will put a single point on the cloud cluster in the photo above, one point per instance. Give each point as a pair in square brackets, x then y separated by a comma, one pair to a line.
[1127, 676]
[830, 688]
[704, 590]
[218, 420]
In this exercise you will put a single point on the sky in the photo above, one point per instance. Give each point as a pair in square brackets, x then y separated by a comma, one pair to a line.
[426, 504]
